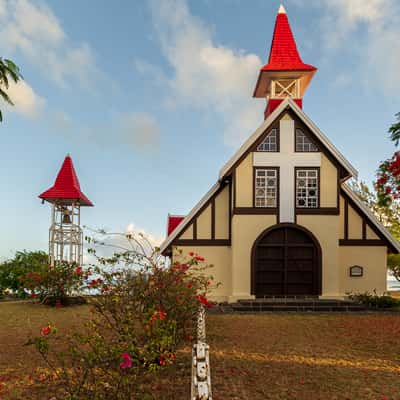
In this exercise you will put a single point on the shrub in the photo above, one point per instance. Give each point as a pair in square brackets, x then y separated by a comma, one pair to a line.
[374, 300]
[54, 284]
[145, 309]
[11, 271]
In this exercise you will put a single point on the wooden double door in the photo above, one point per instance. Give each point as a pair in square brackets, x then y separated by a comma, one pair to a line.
[286, 260]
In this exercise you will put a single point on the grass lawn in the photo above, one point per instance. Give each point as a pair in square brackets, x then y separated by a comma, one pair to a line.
[266, 356]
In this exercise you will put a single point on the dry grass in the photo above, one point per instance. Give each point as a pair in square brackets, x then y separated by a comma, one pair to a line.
[270, 356]
[306, 357]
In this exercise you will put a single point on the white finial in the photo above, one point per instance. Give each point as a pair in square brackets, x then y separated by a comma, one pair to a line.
[281, 10]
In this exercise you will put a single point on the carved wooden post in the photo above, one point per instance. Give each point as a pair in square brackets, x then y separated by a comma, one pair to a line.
[201, 375]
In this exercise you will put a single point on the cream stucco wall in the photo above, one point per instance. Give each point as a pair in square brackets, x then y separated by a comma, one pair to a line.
[371, 235]
[188, 234]
[204, 224]
[328, 182]
[372, 259]
[244, 182]
[355, 224]
[220, 258]
[245, 230]
[326, 229]
[222, 214]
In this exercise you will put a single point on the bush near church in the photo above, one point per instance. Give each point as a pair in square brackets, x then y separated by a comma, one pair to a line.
[13, 270]
[146, 310]
[55, 284]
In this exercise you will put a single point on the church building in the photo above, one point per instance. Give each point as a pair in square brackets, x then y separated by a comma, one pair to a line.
[281, 220]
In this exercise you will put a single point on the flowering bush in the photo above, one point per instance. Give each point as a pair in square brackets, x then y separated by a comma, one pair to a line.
[53, 284]
[144, 311]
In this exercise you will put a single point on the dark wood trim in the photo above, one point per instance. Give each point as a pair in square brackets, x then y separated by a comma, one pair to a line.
[364, 229]
[362, 242]
[318, 211]
[293, 226]
[234, 187]
[230, 209]
[213, 218]
[254, 211]
[369, 222]
[346, 219]
[195, 228]
[202, 242]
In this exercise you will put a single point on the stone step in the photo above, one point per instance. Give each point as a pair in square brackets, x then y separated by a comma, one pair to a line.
[286, 308]
[298, 303]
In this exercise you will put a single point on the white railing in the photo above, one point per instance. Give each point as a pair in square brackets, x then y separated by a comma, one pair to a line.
[201, 374]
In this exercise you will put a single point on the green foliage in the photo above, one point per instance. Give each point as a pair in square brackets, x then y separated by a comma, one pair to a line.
[8, 71]
[394, 130]
[145, 309]
[54, 284]
[375, 301]
[11, 271]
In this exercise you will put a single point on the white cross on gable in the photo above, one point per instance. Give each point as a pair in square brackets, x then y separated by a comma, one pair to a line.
[287, 159]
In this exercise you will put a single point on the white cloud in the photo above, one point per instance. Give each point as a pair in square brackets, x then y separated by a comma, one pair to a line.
[34, 31]
[25, 100]
[208, 75]
[139, 130]
[370, 31]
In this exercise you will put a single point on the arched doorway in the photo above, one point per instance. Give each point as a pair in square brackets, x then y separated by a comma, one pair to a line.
[286, 260]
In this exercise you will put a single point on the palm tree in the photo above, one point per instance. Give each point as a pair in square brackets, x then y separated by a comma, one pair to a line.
[394, 130]
[8, 71]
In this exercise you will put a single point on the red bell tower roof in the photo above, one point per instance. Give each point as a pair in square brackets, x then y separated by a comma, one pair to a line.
[66, 187]
[284, 55]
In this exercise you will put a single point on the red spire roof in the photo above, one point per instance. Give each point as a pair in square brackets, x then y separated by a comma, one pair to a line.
[284, 55]
[66, 186]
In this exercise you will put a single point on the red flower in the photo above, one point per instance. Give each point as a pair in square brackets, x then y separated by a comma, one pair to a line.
[161, 315]
[45, 330]
[203, 300]
[126, 361]
[163, 360]
[78, 270]
[199, 258]
[191, 254]
[388, 190]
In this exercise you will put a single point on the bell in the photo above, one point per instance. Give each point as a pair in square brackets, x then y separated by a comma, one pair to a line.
[66, 219]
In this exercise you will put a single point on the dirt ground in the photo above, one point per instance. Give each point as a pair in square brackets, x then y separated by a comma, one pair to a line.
[266, 356]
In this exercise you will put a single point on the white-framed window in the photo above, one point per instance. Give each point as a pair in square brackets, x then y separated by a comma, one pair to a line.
[303, 143]
[270, 143]
[307, 189]
[266, 187]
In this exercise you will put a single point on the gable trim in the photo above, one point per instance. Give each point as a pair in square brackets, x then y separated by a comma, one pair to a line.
[352, 199]
[286, 104]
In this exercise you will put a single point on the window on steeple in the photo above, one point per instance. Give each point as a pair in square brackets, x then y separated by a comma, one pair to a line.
[303, 143]
[285, 88]
[270, 143]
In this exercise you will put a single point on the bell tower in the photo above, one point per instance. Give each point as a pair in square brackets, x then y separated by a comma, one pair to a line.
[66, 199]
[285, 75]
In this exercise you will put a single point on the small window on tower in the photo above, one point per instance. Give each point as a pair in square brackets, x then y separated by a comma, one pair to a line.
[285, 88]
[303, 143]
[270, 143]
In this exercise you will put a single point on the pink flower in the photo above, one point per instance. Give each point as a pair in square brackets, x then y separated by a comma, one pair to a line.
[126, 361]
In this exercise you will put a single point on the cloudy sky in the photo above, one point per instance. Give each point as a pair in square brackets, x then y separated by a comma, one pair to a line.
[152, 97]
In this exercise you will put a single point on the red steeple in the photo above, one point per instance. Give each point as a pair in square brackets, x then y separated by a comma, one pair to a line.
[284, 65]
[66, 186]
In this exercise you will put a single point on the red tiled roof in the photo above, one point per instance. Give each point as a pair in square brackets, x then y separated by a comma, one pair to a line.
[173, 222]
[284, 55]
[66, 186]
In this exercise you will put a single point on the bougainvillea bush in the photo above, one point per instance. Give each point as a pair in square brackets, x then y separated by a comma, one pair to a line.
[145, 309]
[54, 284]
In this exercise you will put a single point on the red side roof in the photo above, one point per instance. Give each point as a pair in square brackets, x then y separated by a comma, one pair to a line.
[284, 55]
[173, 222]
[66, 186]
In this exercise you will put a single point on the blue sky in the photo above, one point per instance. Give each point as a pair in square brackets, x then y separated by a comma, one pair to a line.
[151, 98]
